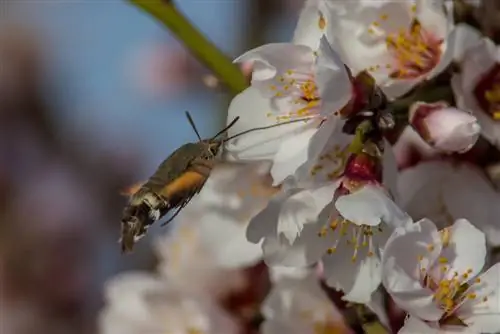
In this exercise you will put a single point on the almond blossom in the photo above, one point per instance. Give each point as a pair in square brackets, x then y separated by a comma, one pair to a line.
[140, 303]
[477, 87]
[338, 211]
[438, 278]
[289, 82]
[444, 191]
[233, 194]
[443, 127]
[401, 43]
[298, 304]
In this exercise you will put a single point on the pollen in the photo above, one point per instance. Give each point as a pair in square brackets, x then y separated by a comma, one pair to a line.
[322, 22]
[347, 234]
[332, 163]
[487, 92]
[450, 289]
[301, 88]
[415, 52]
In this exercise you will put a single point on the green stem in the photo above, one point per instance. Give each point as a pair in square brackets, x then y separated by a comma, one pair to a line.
[358, 141]
[193, 39]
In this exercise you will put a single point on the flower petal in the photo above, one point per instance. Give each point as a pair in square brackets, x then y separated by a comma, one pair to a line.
[401, 266]
[270, 60]
[292, 154]
[308, 31]
[306, 249]
[465, 250]
[358, 280]
[483, 314]
[370, 206]
[232, 195]
[334, 84]
[414, 325]
[252, 108]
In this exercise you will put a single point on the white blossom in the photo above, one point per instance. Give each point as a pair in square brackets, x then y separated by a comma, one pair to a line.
[289, 82]
[446, 128]
[444, 191]
[139, 303]
[298, 304]
[477, 87]
[436, 277]
[401, 43]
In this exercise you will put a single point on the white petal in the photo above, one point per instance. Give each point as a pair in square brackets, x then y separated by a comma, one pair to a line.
[370, 206]
[252, 109]
[358, 280]
[484, 316]
[466, 250]
[302, 208]
[306, 250]
[228, 244]
[277, 273]
[433, 18]
[308, 31]
[232, 195]
[334, 84]
[292, 154]
[330, 140]
[413, 325]
[467, 37]
[270, 60]
[377, 306]
[401, 266]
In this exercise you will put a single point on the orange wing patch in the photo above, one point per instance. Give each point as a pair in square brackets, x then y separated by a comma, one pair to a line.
[129, 191]
[190, 180]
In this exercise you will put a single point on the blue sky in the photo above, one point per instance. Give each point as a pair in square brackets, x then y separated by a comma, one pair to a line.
[88, 45]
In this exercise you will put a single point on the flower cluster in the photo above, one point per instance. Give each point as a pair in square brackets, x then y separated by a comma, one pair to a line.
[323, 199]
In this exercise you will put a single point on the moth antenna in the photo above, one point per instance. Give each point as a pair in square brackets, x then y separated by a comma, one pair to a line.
[226, 128]
[264, 128]
[190, 119]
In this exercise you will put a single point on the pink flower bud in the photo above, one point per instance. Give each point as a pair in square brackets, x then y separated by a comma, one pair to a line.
[445, 128]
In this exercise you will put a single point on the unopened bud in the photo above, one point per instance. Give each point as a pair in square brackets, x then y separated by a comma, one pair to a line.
[446, 128]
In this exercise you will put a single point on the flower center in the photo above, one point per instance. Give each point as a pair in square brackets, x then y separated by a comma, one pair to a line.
[331, 164]
[300, 87]
[415, 51]
[487, 92]
[359, 237]
[451, 289]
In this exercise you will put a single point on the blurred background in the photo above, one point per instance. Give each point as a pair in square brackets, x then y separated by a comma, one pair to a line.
[92, 99]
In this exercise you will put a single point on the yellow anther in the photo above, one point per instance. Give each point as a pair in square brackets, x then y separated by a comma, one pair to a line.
[384, 17]
[471, 296]
[443, 260]
[321, 22]
[430, 248]
[331, 250]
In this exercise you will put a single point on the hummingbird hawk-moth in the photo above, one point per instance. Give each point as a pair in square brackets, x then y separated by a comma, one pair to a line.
[179, 177]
